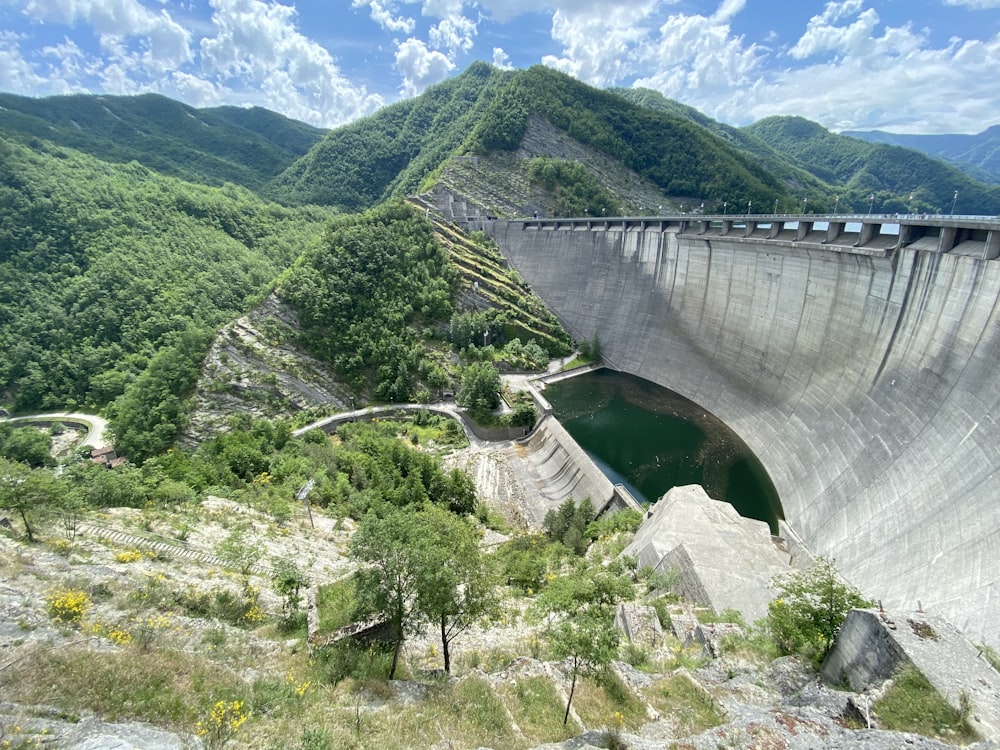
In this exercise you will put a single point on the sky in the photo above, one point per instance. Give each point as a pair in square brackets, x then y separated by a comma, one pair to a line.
[906, 66]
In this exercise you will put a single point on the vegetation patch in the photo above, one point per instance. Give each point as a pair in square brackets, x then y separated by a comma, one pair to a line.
[538, 709]
[913, 705]
[168, 688]
[603, 700]
[690, 708]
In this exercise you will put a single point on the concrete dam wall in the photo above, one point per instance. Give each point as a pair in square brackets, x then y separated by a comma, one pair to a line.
[862, 374]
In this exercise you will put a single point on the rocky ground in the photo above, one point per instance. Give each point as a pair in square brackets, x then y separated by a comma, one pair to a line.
[130, 560]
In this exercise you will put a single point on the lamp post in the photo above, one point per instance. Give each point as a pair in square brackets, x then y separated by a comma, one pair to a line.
[871, 203]
[836, 203]
[749, 204]
[910, 207]
[804, 202]
[725, 204]
[775, 206]
[954, 200]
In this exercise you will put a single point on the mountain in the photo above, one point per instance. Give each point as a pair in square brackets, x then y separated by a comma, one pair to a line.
[978, 155]
[885, 177]
[794, 176]
[113, 278]
[211, 146]
[485, 111]
[389, 154]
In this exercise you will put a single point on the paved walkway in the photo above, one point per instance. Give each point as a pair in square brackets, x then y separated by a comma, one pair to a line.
[97, 427]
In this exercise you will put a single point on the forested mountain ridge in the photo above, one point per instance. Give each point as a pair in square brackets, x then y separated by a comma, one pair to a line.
[976, 154]
[211, 146]
[390, 153]
[876, 175]
[399, 149]
[113, 279]
[793, 175]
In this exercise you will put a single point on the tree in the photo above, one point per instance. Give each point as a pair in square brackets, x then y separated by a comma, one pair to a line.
[289, 579]
[30, 445]
[569, 523]
[387, 587]
[27, 492]
[583, 603]
[590, 641]
[810, 608]
[479, 389]
[456, 585]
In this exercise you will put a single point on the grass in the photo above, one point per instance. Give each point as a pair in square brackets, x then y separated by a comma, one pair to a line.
[913, 705]
[538, 709]
[598, 699]
[167, 688]
[335, 602]
[691, 708]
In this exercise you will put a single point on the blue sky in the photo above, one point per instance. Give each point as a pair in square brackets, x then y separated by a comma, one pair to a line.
[916, 66]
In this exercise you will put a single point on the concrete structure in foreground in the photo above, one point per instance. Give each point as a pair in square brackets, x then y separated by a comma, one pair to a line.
[872, 644]
[724, 561]
[856, 356]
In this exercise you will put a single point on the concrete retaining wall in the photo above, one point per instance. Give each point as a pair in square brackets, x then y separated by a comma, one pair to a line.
[865, 384]
[554, 468]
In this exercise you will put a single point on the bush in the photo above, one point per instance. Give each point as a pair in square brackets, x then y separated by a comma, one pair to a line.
[810, 608]
[68, 606]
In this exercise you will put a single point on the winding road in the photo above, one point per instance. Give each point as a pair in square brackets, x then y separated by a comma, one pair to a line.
[97, 427]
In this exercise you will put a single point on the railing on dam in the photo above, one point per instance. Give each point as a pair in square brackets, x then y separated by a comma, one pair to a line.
[868, 234]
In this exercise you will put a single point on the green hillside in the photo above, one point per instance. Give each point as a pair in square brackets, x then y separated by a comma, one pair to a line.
[889, 173]
[792, 175]
[112, 277]
[391, 152]
[978, 155]
[211, 146]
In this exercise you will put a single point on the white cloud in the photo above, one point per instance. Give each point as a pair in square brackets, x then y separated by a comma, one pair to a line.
[501, 59]
[823, 36]
[258, 52]
[600, 45]
[420, 67]
[698, 56]
[382, 15]
[166, 44]
[195, 91]
[16, 73]
[975, 4]
[454, 33]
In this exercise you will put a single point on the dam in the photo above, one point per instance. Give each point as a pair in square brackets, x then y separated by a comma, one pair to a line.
[857, 356]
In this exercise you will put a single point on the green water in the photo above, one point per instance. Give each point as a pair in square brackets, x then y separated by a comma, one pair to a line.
[651, 439]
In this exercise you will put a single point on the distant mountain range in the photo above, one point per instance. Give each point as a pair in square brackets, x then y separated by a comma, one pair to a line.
[978, 155]
[783, 162]
[210, 146]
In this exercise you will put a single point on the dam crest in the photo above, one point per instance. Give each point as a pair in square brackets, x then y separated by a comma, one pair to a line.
[856, 356]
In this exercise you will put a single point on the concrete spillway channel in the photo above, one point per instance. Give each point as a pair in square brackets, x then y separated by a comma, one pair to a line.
[856, 357]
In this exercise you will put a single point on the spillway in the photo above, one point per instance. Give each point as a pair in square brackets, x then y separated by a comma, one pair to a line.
[861, 369]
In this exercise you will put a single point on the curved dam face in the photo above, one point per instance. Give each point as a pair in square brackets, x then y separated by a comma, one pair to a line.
[865, 380]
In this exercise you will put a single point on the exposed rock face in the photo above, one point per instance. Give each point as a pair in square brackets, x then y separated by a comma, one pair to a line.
[725, 561]
[639, 623]
[255, 368]
[498, 183]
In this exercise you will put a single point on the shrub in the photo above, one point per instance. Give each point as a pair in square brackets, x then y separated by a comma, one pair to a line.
[68, 606]
[810, 608]
[223, 721]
